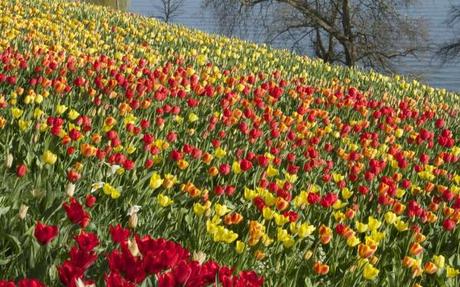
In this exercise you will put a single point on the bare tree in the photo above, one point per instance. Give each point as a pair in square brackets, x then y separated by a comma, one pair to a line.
[369, 33]
[169, 9]
[451, 50]
[234, 19]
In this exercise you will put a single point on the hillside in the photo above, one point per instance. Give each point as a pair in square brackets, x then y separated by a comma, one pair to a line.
[143, 154]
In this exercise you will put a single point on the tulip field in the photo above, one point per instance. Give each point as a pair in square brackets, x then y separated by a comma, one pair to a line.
[136, 153]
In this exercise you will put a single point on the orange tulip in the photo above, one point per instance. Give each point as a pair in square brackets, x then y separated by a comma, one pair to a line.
[366, 251]
[409, 262]
[399, 208]
[430, 268]
[320, 268]
[281, 204]
[325, 234]
[415, 249]
[233, 218]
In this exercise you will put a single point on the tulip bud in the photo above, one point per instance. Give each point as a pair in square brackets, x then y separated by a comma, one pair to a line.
[80, 283]
[133, 248]
[70, 189]
[22, 211]
[308, 255]
[132, 221]
[21, 170]
[199, 256]
[9, 161]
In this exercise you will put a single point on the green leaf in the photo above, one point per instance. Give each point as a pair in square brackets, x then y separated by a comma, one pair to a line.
[4, 210]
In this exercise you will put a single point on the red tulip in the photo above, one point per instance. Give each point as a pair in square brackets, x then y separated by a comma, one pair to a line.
[87, 241]
[224, 169]
[363, 189]
[114, 279]
[245, 165]
[167, 280]
[76, 213]
[90, 200]
[129, 164]
[182, 272]
[119, 234]
[30, 283]
[45, 233]
[4, 283]
[73, 175]
[449, 224]
[69, 273]
[21, 170]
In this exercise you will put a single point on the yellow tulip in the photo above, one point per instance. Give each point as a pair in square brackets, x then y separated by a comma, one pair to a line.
[200, 209]
[370, 272]
[17, 113]
[352, 241]
[305, 230]
[361, 227]
[401, 225]
[452, 272]
[390, 217]
[271, 171]
[49, 158]
[373, 223]
[155, 181]
[38, 113]
[439, 260]
[164, 200]
[73, 114]
[249, 194]
[267, 213]
[240, 246]
[346, 193]
[192, 117]
[236, 167]
[220, 153]
[110, 190]
[60, 109]
[24, 125]
[221, 209]
[280, 219]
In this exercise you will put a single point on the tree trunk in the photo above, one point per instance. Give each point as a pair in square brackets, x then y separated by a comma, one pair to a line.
[349, 44]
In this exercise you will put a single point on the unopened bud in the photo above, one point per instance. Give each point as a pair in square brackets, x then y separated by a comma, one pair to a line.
[308, 255]
[80, 283]
[132, 221]
[22, 211]
[70, 189]
[199, 256]
[9, 161]
[133, 248]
